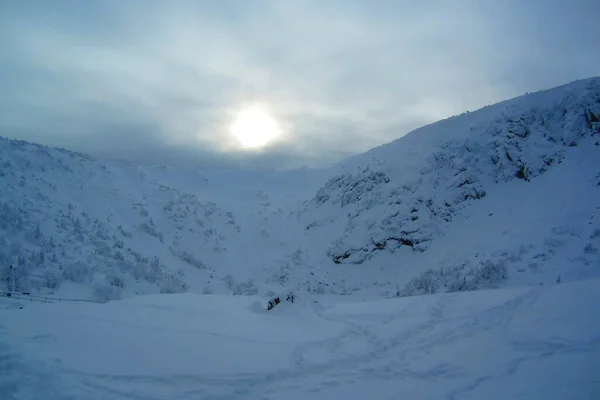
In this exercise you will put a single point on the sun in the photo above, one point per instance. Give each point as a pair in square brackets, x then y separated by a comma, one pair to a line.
[253, 127]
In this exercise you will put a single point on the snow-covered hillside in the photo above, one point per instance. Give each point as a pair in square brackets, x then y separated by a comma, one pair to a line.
[506, 194]
[504, 200]
[71, 225]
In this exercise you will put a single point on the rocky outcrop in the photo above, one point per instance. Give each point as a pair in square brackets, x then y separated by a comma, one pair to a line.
[523, 140]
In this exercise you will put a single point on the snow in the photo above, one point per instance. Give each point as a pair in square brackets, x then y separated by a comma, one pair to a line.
[173, 267]
[530, 342]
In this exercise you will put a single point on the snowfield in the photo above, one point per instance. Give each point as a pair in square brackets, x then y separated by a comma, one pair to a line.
[460, 261]
[531, 342]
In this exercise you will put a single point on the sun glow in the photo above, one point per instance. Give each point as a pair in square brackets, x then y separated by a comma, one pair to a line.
[253, 127]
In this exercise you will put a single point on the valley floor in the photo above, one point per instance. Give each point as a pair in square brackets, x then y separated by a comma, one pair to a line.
[534, 342]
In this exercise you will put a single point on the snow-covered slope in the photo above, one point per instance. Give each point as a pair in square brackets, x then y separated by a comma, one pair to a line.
[504, 198]
[507, 194]
[512, 185]
[69, 223]
[528, 343]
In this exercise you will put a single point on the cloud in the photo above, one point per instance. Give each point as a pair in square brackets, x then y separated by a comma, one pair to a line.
[160, 82]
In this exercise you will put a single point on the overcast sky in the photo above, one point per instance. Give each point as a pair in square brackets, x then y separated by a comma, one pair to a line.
[160, 81]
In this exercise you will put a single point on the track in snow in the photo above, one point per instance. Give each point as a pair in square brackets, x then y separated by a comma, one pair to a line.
[540, 342]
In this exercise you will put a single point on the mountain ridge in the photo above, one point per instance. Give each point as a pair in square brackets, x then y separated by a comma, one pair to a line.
[106, 230]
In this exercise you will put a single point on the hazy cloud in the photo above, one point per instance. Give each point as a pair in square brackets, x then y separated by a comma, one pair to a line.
[160, 82]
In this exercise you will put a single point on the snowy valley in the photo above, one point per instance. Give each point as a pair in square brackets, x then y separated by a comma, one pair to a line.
[502, 203]
[509, 191]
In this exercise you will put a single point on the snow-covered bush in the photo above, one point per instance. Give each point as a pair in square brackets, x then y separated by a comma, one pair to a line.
[115, 279]
[144, 270]
[189, 258]
[428, 282]
[52, 278]
[76, 272]
[282, 275]
[245, 289]
[487, 275]
[229, 281]
[15, 278]
[11, 218]
[102, 249]
[171, 284]
[106, 292]
[5, 274]
[456, 278]
[150, 229]
[124, 232]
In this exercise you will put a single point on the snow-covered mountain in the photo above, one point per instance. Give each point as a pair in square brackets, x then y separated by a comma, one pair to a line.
[508, 194]
[70, 223]
[504, 198]
[511, 189]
